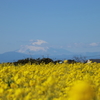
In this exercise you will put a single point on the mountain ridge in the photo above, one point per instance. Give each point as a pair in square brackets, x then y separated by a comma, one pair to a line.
[61, 54]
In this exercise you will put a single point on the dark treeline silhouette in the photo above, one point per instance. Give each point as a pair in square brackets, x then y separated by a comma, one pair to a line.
[39, 61]
[71, 61]
[36, 61]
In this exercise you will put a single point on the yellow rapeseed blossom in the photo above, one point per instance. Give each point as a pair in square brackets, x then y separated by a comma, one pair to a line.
[65, 61]
[82, 90]
[64, 81]
[1, 91]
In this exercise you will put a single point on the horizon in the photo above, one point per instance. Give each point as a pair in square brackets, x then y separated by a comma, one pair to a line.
[37, 26]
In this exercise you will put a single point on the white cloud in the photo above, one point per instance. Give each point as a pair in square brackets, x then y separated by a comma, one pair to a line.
[78, 45]
[38, 42]
[94, 44]
[26, 48]
[34, 46]
[83, 45]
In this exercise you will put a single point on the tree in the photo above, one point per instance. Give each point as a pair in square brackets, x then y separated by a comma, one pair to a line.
[80, 59]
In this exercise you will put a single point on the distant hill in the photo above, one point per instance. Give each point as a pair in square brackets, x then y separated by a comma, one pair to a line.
[12, 56]
[55, 54]
[49, 51]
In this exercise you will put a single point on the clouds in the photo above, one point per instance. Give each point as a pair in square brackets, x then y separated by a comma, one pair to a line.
[94, 44]
[83, 45]
[41, 46]
[38, 42]
[34, 46]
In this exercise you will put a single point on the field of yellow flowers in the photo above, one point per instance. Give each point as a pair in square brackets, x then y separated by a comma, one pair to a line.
[50, 81]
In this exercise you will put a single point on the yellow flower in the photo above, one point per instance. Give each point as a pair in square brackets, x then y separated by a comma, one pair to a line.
[32, 83]
[19, 92]
[49, 81]
[82, 90]
[10, 97]
[13, 85]
[65, 61]
[1, 91]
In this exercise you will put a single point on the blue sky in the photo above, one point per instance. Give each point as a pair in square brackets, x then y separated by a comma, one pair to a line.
[70, 24]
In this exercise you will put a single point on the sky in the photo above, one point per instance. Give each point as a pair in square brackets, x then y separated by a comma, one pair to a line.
[73, 25]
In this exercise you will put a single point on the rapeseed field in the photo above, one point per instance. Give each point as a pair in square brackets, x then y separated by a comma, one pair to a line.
[64, 81]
